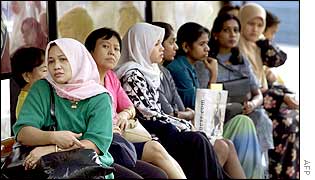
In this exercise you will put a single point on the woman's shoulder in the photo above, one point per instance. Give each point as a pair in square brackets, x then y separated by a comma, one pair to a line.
[100, 98]
[40, 85]
[176, 65]
[111, 74]
[134, 73]
[111, 77]
[165, 71]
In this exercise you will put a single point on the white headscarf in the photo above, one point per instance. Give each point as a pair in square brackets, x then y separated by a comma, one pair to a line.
[85, 80]
[137, 45]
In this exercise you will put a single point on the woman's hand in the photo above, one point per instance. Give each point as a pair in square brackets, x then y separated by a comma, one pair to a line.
[122, 122]
[66, 139]
[116, 129]
[212, 66]
[248, 107]
[31, 160]
[188, 114]
[191, 114]
[291, 102]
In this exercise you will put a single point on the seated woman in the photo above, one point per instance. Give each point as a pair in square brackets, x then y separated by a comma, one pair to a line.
[28, 65]
[223, 44]
[140, 77]
[105, 45]
[140, 169]
[168, 96]
[240, 129]
[76, 90]
[283, 109]
[253, 20]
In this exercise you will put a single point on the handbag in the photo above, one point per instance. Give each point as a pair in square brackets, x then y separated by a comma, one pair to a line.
[77, 163]
[135, 132]
[237, 88]
[123, 152]
[271, 55]
[232, 109]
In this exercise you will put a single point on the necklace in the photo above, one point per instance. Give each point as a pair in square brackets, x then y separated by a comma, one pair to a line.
[74, 104]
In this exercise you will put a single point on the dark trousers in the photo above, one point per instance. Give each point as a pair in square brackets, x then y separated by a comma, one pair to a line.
[192, 150]
[140, 171]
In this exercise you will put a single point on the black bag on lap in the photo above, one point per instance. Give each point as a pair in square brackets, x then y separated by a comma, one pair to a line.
[76, 163]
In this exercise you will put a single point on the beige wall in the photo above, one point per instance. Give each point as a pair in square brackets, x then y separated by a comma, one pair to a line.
[120, 15]
[177, 13]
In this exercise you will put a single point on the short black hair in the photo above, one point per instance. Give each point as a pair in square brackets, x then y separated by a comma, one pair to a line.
[25, 59]
[107, 33]
[271, 20]
[168, 28]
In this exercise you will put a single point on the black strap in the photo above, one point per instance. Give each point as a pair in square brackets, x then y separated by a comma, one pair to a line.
[52, 106]
[232, 70]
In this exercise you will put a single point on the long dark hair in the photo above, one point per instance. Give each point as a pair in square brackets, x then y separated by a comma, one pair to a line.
[189, 33]
[214, 44]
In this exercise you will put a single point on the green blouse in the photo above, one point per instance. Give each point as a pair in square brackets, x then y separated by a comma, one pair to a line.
[92, 117]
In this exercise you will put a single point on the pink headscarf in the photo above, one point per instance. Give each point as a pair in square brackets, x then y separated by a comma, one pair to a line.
[85, 81]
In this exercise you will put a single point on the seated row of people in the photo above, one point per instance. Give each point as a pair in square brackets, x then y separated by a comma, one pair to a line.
[282, 108]
[141, 87]
[62, 63]
[61, 72]
[239, 129]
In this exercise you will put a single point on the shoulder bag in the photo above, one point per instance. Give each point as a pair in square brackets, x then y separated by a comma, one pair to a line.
[237, 88]
[136, 133]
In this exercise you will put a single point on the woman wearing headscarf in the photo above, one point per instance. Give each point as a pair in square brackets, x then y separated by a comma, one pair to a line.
[253, 21]
[140, 76]
[82, 106]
